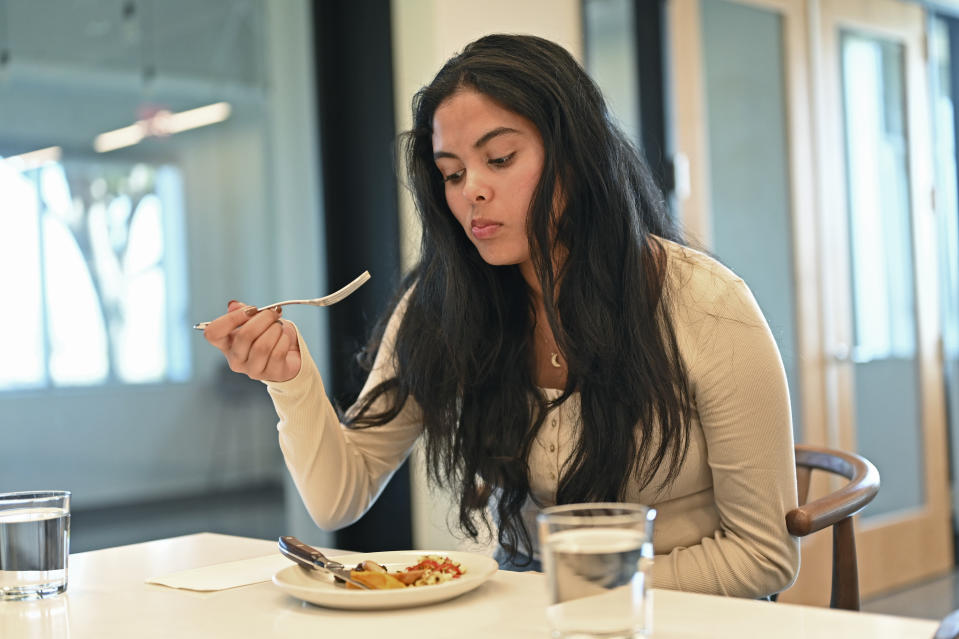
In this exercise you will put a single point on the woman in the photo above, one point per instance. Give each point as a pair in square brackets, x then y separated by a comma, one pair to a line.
[556, 342]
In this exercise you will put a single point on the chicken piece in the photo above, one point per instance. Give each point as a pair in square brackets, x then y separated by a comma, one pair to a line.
[408, 577]
[375, 579]
[370, 566]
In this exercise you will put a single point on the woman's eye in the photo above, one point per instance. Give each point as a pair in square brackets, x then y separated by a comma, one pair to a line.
[503, 161]
[453, 177]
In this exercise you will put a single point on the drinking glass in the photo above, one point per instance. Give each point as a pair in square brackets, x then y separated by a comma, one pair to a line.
[598, 560]
[34, 544]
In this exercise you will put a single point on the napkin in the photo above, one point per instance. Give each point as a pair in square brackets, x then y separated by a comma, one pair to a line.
[226, 575]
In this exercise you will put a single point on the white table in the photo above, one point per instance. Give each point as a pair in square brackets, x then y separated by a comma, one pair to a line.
[107, 598]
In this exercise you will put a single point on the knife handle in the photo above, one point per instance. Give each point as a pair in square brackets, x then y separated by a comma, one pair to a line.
[296, 547]
[312, 558]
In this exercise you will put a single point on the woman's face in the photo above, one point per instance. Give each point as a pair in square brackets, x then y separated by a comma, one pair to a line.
[491, 160]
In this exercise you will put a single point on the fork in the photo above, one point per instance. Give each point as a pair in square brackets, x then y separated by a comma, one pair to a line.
[326, 300]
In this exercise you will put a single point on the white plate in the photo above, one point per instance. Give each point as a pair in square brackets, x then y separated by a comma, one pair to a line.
[318, 588]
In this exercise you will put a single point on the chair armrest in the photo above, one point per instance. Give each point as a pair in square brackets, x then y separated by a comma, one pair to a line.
[845, 502]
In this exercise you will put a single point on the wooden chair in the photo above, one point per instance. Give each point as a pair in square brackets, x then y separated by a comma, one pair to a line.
[835, 509]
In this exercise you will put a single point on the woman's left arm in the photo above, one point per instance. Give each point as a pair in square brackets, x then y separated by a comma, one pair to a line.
[738, 385]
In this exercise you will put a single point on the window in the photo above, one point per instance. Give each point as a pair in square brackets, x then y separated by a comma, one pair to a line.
[878, 191]
[92, 256]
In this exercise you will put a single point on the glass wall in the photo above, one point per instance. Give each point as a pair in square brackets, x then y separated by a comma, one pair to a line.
[158, 159]
[101, 105]
[610, 58]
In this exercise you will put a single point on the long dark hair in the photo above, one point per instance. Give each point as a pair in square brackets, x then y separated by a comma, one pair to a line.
[464, 348]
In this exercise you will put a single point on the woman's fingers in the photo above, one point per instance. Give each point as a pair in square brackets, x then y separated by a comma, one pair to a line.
[262, 348]
[290, 331]
[256, 343]
[243, 338]
[284, 361]
[220, 330]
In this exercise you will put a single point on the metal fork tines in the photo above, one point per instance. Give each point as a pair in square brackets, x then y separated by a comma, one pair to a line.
[326, 300]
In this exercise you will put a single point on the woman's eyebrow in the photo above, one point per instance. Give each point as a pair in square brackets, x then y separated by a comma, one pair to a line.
[489, 135]
[483, 139]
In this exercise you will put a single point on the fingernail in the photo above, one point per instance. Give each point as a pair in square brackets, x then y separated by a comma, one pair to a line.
[250, 311]
[278, 310]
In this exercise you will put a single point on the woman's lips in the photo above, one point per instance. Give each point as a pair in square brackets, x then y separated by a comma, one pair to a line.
[484, 229]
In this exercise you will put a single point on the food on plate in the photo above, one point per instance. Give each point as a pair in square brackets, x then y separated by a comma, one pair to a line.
[371, 566]
[435, 569]
[375, 580]
[429, 570]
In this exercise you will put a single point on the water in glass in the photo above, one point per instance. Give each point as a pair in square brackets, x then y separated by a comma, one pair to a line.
[596, 587]
[597, 559]
[34, 545]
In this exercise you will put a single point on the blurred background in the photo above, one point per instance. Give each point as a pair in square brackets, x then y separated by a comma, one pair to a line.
[161, 157]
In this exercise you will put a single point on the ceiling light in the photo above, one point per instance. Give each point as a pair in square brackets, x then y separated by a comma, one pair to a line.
[161, 124]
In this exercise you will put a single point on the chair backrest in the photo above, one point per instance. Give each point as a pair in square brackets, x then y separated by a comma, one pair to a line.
[835, 509]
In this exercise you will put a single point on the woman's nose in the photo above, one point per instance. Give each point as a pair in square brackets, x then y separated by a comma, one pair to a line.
[475, 189]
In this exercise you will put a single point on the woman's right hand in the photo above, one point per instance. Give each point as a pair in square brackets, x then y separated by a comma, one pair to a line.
[257, 344]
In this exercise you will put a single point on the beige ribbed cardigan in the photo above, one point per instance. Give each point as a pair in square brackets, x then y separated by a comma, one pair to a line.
[721, 524]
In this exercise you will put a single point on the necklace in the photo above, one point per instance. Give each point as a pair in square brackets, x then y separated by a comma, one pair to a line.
[555, 359]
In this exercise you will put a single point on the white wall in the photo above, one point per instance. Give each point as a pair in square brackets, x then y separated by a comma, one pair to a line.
[425, 34]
